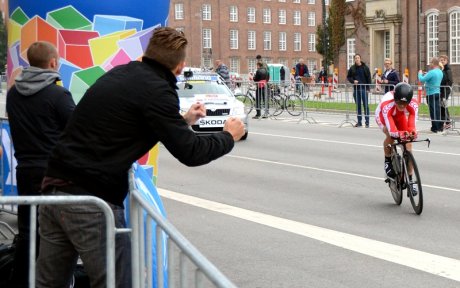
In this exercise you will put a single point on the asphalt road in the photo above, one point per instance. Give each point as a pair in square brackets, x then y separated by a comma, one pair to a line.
[305, 205]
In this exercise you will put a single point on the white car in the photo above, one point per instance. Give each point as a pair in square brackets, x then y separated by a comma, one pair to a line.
[210, 89]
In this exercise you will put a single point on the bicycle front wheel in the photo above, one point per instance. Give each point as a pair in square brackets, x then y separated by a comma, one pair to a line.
[395, 184]
[247, 101]
[414, 183]
[293, 104]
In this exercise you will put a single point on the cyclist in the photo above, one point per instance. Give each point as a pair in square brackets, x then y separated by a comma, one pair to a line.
[396, 115]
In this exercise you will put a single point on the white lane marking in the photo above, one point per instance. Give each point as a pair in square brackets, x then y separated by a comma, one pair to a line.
[331, 171]
[427, 262]
[348, 143]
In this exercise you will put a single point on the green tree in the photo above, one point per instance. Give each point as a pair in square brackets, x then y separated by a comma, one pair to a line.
[3, 44]
[336, 21]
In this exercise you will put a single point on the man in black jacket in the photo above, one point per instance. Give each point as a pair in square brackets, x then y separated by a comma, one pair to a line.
[360, 76]
[446, 89]
[38, 111]
[121, 117]
[261, 79]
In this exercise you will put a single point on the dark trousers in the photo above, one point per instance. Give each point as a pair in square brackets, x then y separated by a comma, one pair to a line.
[29, 181]
[260, 97]
[435, 112]
[360, 97]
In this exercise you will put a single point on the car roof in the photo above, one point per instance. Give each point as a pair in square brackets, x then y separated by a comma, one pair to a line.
[201, 76]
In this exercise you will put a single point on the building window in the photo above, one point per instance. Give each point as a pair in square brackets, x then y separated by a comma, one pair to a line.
[454, 37]
[233, 14]
[311, 19]
[233, 39]
[312, 65]
[311, 2]
[386, 43]
[432, 36]
[282, 16]
[207, 38]
[235, 64]
[281, 0]
[351, 51]
[251, 40]
[297, 17]
[180, 29]
[251, 15]
[267, 40]
[206, 12]
[267, 16]
[297, 42]
[295, 1]
[326, 2]
[285, 62]
[282, 42]
[179, 11]
[252, 62]
[312, 42]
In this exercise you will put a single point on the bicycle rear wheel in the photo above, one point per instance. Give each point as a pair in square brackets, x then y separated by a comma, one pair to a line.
[293, 104]
[276, 105]
[247, 101]
[414, 185]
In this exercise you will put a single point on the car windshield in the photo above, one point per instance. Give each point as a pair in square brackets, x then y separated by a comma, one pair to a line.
[202, 87]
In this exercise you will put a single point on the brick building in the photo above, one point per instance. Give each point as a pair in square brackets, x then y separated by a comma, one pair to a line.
[410, 32]
[235, 31]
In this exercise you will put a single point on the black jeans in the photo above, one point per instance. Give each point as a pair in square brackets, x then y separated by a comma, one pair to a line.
[29, 182]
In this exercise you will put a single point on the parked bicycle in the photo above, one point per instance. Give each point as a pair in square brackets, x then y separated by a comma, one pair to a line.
[248, 99]
[407, 175]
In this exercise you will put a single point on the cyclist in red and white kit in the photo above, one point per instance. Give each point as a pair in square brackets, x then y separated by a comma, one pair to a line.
[396, 116]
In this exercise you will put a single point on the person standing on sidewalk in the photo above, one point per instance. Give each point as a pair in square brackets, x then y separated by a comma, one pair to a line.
[261, 79]
[38, 110]
[390, 77]
[432, 81]
[446, 89]
[360, 76]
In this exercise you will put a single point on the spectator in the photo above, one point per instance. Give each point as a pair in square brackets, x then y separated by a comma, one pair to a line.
[322, 75]
[222, 70]
[38, 111]
[264, 65]
[301, 70]
[121, 117]
[446, 88]
[360, 76]
[390, 77]
[432, 81]
[261, 82]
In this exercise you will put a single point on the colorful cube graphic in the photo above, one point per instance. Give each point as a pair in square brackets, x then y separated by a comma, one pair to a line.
[66, 69]
[82, 80]
[107, 24]
[105, 46]
[119, 58]
[37, 29]
[19, 16]
[74, 47]
[136, 44]
[68, 18]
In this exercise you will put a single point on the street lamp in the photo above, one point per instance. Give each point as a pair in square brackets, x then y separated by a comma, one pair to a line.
[325, 37]
[200, 14]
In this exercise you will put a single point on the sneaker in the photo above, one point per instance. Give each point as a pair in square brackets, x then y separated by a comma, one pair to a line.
[358, 125]
[367, 125]
[389, 170]
[414, 189]
[256, 117]
[447, 126]
[265, 116]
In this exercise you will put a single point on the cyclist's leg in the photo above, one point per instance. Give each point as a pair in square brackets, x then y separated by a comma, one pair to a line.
[402, 125]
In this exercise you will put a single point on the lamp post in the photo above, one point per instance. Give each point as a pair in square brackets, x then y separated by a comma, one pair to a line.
[200, 14]
[325, 37]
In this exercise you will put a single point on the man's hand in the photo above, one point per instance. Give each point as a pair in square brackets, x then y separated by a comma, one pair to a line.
[196, 111]
[413, 134]
[404, 135]
[235, 127]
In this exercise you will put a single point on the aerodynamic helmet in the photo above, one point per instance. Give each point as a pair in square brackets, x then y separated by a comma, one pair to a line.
[403, 92]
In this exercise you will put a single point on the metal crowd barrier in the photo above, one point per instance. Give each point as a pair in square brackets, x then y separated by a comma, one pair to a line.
[141, 239]
[338, 99]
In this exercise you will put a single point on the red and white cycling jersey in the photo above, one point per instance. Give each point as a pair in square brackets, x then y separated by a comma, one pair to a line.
[387, 115]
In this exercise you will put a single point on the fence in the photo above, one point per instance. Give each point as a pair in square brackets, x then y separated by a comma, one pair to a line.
[141, 238]
[338, 99]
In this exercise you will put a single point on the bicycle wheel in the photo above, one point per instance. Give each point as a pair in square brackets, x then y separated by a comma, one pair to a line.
[276, 105]
[293, 104]
[247, 101]
[395, 184]
[414, 183]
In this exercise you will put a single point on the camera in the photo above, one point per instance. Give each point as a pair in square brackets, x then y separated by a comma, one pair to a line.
[188, 74]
